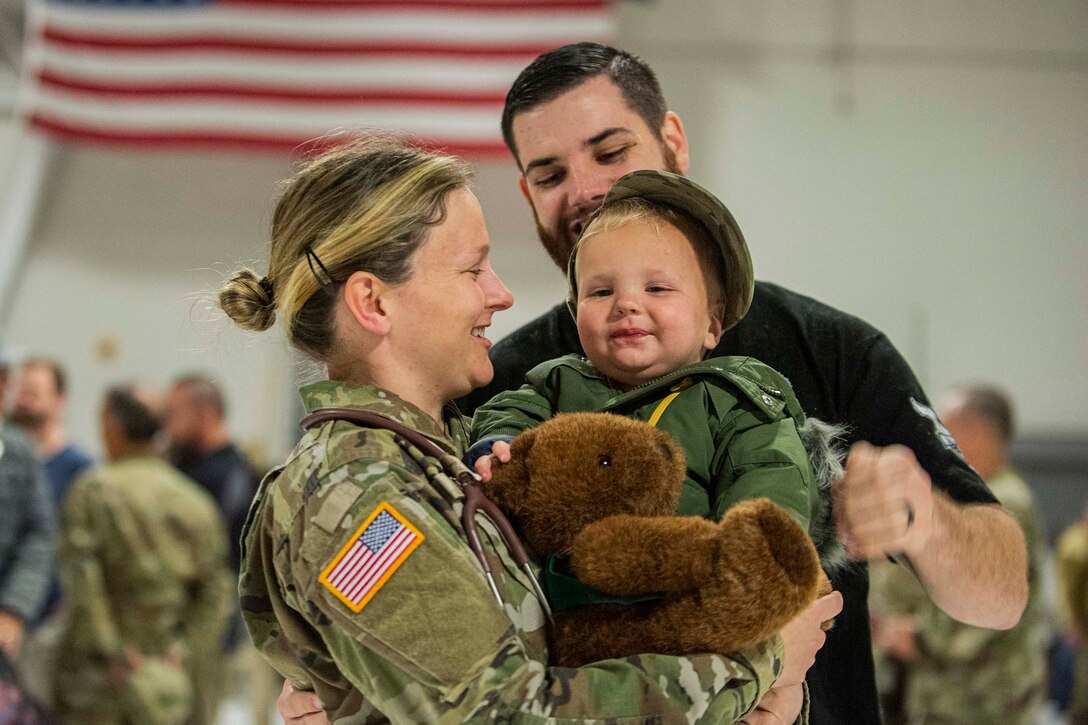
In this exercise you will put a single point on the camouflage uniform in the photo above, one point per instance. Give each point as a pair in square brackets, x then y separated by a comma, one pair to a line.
[966, 674]
[1072, 564]
[143, 557]
[432, 645]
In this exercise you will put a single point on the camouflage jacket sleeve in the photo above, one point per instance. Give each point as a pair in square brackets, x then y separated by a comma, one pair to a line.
[91, 626]
[427, 642]
[1072, 572]
[206, 613]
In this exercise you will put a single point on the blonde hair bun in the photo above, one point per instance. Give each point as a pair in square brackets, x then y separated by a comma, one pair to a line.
[248, 301]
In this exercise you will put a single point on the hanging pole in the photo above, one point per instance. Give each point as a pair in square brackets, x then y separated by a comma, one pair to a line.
[18, 211]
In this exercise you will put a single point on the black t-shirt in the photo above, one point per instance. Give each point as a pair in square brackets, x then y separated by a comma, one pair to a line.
[228, 477]
[843, 370]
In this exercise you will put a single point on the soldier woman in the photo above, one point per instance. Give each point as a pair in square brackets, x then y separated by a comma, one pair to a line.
[357, 581]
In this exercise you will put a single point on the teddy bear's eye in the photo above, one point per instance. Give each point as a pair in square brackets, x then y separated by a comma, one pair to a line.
[604, 460]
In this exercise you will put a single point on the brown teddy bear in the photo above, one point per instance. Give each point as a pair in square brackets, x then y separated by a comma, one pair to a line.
[603, 489]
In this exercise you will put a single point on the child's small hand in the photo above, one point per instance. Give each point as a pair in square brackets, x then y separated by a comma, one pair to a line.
[501, 451]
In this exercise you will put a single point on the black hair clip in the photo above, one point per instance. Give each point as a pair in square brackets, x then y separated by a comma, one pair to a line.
[328, 284]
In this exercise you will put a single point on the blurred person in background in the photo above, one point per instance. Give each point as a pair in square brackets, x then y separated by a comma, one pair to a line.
[143, 560]
[27, 523]
[953, 672]
[38, 411]
[5, 383]
[38, 404]
[1072, 570]
[200, 446]
[26, 541]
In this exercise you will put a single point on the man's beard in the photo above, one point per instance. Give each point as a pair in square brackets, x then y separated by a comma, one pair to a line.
[183, 454]
[28, 419]
[556, 245]
[559, 244]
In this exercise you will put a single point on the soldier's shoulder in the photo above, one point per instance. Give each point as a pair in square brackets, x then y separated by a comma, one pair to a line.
[96, 478]
[337, 444]
[338, 471]
[1073, 543]
[307, 541]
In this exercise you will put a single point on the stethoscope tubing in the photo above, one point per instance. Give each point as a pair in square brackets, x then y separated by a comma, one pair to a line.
[475, 500]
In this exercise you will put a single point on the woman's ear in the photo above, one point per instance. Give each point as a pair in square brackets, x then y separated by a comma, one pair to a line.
[364, 295]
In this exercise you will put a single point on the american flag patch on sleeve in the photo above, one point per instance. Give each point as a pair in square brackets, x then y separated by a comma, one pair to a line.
[370, 557]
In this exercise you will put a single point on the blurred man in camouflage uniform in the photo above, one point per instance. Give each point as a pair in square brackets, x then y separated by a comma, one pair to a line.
[1072, 566]
[143, 563]
[956, 673]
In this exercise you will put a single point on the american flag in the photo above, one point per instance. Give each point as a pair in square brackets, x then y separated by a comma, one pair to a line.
[375, 551]
[272, 74]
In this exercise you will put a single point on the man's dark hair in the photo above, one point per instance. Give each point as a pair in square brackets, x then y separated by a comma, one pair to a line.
[992, 406]
[138, 422]
[204, 391]
[554, 73]
[60, 378]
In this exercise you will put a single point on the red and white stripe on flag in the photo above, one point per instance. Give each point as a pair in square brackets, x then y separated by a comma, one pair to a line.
[273, 74]
[372, 555]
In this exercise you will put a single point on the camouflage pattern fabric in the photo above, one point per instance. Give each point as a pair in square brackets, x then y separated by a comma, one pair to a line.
[1072, 565]
[143, 556]
[964, 674]
[432, 644]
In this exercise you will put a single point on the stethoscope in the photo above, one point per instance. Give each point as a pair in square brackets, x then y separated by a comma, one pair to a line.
[475, 500]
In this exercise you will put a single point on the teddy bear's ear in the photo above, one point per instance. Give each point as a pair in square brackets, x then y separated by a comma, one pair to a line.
[509, 481]
[523, 444]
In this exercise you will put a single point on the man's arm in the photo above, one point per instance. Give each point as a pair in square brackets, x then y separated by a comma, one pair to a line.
[205, 614]
[91, 624]
[970, 558]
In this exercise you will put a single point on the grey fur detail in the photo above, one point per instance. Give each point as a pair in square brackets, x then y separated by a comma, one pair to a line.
[823, 443]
